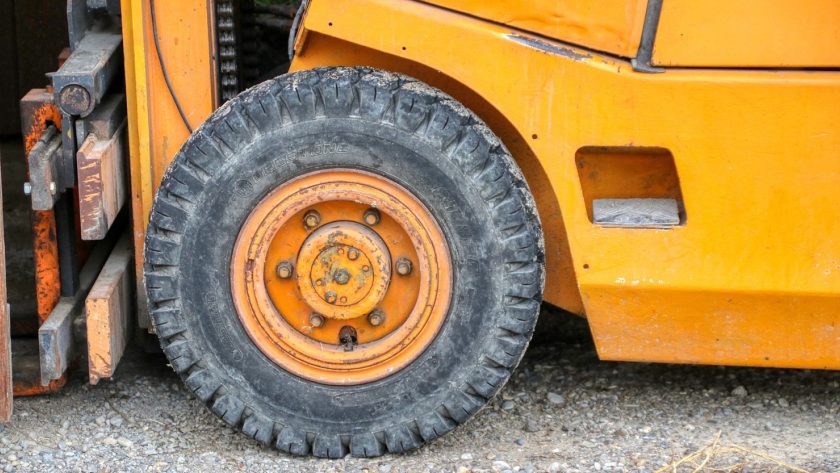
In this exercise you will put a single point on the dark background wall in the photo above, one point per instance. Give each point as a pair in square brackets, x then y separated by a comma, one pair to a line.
[32, 35]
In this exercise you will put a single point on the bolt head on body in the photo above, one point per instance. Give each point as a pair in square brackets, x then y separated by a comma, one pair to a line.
[312, 219]
[331, 297]
[372, 217]
[285, 269]
[404, 266]
[316, 320]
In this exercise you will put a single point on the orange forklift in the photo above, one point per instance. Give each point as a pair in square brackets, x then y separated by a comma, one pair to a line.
[340, 218]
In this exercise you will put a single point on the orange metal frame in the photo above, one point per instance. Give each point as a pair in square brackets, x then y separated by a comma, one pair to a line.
[752, 277]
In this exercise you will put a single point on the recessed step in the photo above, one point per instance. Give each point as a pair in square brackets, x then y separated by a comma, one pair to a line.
[636, 213]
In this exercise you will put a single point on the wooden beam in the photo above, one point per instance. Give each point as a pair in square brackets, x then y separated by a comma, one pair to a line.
[100, 165]
[5, 335]
[108, 308]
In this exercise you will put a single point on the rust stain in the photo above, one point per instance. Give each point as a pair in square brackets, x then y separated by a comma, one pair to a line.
[22, 388]
[45, 115]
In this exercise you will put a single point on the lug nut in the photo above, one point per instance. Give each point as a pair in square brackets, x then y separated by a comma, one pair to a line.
[285, 269]
[316, 320]
[372, 217]
[312, 219]
[341, 276]
[376, 318]
[331, 297]
[353, 254]
[404, 266]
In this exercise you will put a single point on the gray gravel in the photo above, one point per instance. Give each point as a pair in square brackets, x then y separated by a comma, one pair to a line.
[563, 411]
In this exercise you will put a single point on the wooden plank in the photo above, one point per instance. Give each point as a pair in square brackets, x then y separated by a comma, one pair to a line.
[108, 308]
[102, 191]
[6, 382]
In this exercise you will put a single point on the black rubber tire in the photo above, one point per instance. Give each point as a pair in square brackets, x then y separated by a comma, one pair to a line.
[390, 125]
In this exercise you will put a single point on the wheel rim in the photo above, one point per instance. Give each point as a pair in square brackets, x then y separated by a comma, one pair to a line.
[341, 277]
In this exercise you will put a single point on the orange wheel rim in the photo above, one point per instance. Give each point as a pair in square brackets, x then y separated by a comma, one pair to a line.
[341, 277]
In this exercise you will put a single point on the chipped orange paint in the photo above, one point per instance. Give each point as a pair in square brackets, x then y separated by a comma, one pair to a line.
[44, 242]
[275, 311]
[47, 279]
[43, 116]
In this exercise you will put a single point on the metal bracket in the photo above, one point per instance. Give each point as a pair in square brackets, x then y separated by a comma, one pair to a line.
[43, 170]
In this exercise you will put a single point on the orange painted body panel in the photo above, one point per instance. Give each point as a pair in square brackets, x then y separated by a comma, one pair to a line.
[156, 130]
[749, 33]
[612, 26]
[753, 275]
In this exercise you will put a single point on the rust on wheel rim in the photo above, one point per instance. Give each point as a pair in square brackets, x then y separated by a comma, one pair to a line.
[341, 277]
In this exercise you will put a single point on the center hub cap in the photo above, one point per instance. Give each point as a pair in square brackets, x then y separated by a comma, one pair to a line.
[344, 270]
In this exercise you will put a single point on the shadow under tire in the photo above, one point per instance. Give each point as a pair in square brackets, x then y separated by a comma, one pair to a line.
[356, 125]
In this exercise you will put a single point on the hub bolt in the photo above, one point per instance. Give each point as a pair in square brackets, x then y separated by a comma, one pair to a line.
[331, 297]
[285, 269]
[353, 254]
[316, 320]
[404, 266]
[341, 276]
[312, 219]
[376, 318]
[372, 217]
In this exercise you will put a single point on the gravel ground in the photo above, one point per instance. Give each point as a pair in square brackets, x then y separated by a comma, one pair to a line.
[563, 411]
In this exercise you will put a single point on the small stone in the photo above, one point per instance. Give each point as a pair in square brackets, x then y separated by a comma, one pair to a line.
[467, 456]
[116, 421]
[520, 442]
[783, 402]
[557, 399]
[109, 441]
[500, 465]
[508, 405]
[531, 426]
[554, 467]
[385, 468]
[125, 442]
[739, 391]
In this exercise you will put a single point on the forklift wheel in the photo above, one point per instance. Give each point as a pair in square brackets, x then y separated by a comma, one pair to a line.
[344, 261]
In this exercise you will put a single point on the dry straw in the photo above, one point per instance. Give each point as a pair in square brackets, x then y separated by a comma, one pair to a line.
[728, 458]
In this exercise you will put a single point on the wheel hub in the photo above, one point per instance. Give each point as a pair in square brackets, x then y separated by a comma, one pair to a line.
[345, 270]
[341, 277]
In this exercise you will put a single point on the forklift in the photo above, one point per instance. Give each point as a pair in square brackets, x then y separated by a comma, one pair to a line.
[340, 218]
